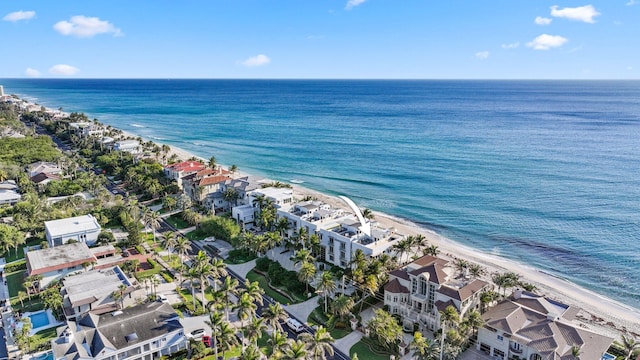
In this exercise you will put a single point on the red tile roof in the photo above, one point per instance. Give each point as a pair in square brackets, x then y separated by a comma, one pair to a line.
[186, 166]
[213, 180]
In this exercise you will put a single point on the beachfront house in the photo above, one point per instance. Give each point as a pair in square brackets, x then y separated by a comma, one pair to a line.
[279, 197]
[311, 215]
[179, 170]
[232, 193]
[86, 129]
[83, 229]
[92, 292]
[56, 262]
[425, 287]
[130, 146]
[146, 331]
[199, 185]
[532, 327]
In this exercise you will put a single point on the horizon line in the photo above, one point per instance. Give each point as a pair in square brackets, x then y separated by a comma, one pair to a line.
[327, 79]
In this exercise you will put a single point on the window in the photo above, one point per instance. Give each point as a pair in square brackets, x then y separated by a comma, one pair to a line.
[423, 286]
[500, 338]
[414, 286]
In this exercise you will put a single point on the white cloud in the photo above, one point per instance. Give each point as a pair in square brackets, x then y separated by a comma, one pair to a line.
[546, 42]
[19, 15]
[63, 69]
[482, 55]
[84, 27]
[539, 20]
[258, 60]
[631, 2]
[353, 3]
[629, 68]
[511, 46]
[581, 13]
[32, 72]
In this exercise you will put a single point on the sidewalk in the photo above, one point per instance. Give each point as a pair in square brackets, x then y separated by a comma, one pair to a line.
[348, 341]
[303, 310]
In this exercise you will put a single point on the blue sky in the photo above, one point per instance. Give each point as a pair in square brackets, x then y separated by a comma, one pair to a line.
[406, 39]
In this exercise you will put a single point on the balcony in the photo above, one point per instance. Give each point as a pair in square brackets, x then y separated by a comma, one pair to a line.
[515, 348]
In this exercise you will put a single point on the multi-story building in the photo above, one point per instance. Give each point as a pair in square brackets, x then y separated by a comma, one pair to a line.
[532, 327]
[179, 170]
[311, 215]
[86, 129]
[217, 201]
[83, 229]
[422, 289]
[199, 185]
[143, 332]
[42, 167]
[92, 291]
[130, 146]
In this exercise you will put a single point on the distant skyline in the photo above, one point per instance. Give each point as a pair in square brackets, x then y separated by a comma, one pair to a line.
[333, 39]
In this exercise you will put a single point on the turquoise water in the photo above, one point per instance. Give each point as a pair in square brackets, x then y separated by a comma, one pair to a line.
[45, 356]
[39, 320]
[542, 172]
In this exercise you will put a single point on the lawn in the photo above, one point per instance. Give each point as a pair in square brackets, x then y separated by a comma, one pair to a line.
[44, 336]
[254, 276]
[177, 221]
[364, 352]
[14, 282]
[196, 235]
[13, 255]
[238, 256]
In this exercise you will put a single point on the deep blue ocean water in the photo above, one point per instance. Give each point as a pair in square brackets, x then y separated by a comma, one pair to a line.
[542, 172]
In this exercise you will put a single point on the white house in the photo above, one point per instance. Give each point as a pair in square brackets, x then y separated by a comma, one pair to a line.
[532, 327]
[84, 229]
[427, 286]
[9, 192]
[146, 331]
[311, 215]
[244, 215]
[130, 146]
[86, 129]
[279, 197]
[43, 167]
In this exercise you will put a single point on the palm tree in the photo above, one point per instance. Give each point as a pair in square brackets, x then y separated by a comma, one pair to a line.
[282, 225]
[370, 286]
[432, 250]
[251, 353]
[297, 350]
[215, 322]
[255, 329]
[233, 169]
[476, 270]
[629, 346]
[306, 274]
[212, 162]
[151, 219]
[461, 265]
[246, 309]
[273, 314]
[342, 306]
[319, 344]
[327, 285]
[368, 214]
[575, 351]
[204, 269]
[170, 241]
[254, 291]
[229, 288]
[424, 348]
[302, 256]
[183, 245]
[227, 337]
[278, 342]
[192, 275]
[474, 321]
[402, 247]
[218, 270]
[448, 317]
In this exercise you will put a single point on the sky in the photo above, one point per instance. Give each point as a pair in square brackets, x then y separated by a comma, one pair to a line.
[321, 39]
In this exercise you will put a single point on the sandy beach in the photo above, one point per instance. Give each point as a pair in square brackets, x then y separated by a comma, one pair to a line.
[600, 313]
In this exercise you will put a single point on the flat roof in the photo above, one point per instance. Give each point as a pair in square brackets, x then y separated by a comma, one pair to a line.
[85, 223]
[93, 285]
[59, 257]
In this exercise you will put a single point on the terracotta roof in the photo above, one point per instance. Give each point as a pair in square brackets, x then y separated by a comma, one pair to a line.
[186, 166]
[435, 271]
[395, 287]
[428, 260]
[213, 180]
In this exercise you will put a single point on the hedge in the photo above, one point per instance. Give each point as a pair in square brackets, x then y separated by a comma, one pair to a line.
[15, 266]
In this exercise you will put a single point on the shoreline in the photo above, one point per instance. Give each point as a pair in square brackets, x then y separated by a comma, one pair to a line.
[604, 314]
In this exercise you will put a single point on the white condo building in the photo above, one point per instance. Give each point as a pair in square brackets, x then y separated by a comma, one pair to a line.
[130, 146]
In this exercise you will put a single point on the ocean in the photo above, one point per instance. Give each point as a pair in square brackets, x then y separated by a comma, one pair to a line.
[542, 172]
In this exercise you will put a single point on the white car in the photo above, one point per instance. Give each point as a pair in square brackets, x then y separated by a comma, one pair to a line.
[294, 325]
[163, 299]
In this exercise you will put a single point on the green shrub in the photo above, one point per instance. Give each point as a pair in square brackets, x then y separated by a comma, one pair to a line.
[15, 266]
[222, 228]
[263, 263]
[152, 263]
[140, 249]
[166, 276]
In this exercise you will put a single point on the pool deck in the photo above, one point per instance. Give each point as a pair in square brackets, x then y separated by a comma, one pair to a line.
[52, 321]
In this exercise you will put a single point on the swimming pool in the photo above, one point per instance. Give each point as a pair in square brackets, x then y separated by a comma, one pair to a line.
[39, 319]
[44, 356]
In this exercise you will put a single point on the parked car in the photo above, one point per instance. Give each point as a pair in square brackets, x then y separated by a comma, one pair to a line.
[163, 299]
[197, 333]
[294, 325]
